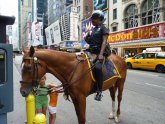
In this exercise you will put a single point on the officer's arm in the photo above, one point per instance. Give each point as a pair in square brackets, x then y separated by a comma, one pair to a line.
[87, 38]
[105, 37]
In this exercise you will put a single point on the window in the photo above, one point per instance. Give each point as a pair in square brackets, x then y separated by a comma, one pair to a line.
[139, 56]
[114, 14]
[150, 55]
[78, 9]
[131, 16]
[160, 55]
[79, 17]
[114, 1]
[114, 28]
[150, 12]
[76, 2]
[86, 8]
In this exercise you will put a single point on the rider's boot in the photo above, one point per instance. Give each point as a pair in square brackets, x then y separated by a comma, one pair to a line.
[98, 96]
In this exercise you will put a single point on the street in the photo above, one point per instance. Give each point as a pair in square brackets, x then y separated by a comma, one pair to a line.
[143, 101]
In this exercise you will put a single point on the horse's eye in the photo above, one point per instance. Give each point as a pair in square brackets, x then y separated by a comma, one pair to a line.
[27, 69]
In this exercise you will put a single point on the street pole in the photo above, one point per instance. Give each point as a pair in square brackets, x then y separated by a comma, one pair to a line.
[19, 25]
[43, 22]
[108, 13]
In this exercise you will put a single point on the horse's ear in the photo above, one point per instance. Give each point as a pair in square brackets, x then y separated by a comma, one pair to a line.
[24, 50]
[31, 52]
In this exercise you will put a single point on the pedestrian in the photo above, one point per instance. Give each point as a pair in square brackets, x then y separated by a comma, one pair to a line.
[52, 107]
[41, 98]
[98, 45]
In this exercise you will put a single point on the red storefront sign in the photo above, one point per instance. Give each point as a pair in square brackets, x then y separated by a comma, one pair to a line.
[147, 32]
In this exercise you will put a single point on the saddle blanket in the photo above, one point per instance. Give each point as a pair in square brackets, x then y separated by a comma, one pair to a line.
[109, 69]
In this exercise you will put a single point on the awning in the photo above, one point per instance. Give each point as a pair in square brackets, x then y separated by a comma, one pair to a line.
[142, 45]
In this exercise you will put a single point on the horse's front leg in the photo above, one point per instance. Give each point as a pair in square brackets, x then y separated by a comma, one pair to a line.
[112, 93]
[80, 107]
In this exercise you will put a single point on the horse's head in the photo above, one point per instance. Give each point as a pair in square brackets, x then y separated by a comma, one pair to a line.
[32, 71]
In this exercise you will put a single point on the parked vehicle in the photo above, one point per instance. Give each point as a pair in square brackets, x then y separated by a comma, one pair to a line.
[149, 61]
[70, 46]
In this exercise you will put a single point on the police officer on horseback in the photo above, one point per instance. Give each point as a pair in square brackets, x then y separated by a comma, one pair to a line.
[98, 45]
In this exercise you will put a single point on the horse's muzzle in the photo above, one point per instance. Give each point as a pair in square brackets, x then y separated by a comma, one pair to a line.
[25, 92]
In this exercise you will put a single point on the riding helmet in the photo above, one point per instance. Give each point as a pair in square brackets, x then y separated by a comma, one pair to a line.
[98, 14]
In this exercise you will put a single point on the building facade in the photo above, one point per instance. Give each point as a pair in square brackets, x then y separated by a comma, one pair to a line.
[56, 8]
[39, 22]
[136, 25]
[32, 21]
[25, 22]
[84, 10]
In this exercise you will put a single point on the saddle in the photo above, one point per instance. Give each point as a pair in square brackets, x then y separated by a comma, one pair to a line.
[108, 68]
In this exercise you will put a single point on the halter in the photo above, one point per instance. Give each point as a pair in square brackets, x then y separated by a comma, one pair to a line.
[35, 80]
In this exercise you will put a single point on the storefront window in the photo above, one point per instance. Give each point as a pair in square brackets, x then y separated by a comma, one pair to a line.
[131, 16]
[150, 12]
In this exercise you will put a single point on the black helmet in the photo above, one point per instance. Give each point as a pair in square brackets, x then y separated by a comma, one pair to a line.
[98, 14]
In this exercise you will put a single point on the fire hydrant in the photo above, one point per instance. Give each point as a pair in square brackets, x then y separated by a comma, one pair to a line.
[39, 119]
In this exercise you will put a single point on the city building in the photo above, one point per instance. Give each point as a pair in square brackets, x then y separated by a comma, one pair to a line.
[84, 10]
[65, 25]
[41, 9]
[32, 21]
[25, 12]
[136, 25]
[63, 11]
[56, 8]
[39, 22]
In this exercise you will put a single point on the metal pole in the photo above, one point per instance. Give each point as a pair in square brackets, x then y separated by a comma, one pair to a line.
[19, 24]
[108, 13]
[30, 108]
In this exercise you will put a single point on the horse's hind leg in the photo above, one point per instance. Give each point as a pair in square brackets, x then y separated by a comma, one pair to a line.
[120, 86]
[112, 93]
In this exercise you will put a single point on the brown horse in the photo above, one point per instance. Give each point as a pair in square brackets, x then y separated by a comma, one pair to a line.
[69, 70]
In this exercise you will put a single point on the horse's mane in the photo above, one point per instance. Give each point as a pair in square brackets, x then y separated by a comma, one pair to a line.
[48, 53]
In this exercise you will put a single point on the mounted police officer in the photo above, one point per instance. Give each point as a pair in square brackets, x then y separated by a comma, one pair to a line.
[97, 41]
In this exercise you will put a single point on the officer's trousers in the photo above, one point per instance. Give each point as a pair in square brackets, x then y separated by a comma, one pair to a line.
[99, 75]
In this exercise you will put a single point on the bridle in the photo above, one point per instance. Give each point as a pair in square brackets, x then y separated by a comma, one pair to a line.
[33, 70]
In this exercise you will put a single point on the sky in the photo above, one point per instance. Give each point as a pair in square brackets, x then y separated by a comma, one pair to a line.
[9, 7]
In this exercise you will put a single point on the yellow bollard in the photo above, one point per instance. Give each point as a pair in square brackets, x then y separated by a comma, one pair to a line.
[39, 119]
[30, 108]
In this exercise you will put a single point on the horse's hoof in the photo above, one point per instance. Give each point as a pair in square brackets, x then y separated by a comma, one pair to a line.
[117, 119]
[111, 116]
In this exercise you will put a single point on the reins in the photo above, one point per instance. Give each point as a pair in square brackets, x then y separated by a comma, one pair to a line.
[82, 76]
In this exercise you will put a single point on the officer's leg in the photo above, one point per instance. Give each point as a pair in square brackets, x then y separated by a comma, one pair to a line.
[99, 78]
